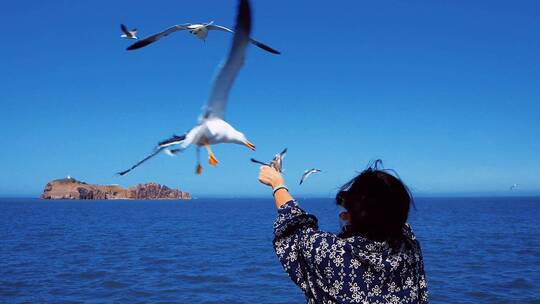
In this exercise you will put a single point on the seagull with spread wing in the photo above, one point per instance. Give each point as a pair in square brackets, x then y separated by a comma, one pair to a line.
[198, 30]
[307, 173]
[276, 162]
[128, 34]
[211, 128]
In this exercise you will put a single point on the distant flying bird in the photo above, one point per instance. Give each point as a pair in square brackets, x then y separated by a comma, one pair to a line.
[127, 33]
[276, 162]
[307, 173]
[198, 30]
[513, 187]
[211, 128]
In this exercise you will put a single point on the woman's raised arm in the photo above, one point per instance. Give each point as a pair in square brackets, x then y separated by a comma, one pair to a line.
[270, 177]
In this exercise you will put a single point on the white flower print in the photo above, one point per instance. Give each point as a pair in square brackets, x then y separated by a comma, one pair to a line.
[321, 263]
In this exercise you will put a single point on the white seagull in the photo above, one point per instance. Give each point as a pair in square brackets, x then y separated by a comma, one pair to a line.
[276, 162]
[307, 173]
[211, 128]
[198, 30]
[127, 34]
[513, 187]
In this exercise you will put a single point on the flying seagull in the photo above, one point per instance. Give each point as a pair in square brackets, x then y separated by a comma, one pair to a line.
[127, 34]
[211, 128]
[307, 173]
[198, 30]
[513, 187]
[276, 162]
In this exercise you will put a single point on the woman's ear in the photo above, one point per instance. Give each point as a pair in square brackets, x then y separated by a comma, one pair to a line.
[345, 216]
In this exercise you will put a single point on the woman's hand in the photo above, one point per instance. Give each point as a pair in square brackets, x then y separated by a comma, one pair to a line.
[270, 177]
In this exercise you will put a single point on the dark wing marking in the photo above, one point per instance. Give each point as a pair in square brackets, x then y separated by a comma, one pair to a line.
[259, 162]
[175, 139]
[155, 37]
[124, 29]
[264, 46]
[141, 161]
[225, 79]
[255, 42]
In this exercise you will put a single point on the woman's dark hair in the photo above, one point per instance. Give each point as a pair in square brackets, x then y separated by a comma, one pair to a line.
[378, 204]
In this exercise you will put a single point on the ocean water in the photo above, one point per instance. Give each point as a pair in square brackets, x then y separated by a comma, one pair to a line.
[476, 250]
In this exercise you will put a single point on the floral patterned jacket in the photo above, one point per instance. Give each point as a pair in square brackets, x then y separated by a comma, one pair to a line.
[330, 269]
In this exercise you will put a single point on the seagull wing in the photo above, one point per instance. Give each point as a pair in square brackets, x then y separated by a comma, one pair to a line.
[255, 42]
[304, 176]
[124, 29]
[282, 154]
[174, 140]
[307, 173]
[226, 76]
[155, 37]
[259, 162]
[264, 46]
[219, 28]
[277, 161]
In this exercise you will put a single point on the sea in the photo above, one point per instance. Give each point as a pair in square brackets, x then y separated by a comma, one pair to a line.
[476, 250]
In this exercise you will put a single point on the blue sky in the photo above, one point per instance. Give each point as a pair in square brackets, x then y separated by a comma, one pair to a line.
[446, 93]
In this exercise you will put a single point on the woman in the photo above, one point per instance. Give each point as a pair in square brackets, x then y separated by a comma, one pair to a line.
[376, 257]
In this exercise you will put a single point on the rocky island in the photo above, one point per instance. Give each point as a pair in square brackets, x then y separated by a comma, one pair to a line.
[70, 188]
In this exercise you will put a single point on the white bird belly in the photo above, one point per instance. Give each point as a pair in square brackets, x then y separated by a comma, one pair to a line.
[218, 131]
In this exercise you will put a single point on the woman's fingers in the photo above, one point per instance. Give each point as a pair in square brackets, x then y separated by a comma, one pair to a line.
[264, 176]
[269, 176]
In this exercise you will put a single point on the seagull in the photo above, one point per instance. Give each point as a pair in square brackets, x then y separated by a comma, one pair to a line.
[127, 34]
[211, 128]
[276, 162]
[307, 173]
[513, 187]
[198, 30]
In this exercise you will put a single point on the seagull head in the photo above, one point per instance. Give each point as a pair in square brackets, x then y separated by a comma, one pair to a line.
[220, 131]
[240, 138]
[236, 137]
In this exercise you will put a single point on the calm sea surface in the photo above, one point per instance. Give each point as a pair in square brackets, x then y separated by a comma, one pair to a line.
[476, 250]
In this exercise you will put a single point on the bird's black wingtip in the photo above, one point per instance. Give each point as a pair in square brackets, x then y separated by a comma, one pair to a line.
[122, 173]
[264, 47]
[141, 43]
[253, 160]
[270, 50]
[137, 45]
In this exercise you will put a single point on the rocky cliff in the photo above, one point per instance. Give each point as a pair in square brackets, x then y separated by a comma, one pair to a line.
[70, 188]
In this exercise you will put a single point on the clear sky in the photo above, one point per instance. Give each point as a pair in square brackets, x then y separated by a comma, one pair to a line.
[447, 93]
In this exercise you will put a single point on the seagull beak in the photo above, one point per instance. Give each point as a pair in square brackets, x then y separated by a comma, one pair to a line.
[250, 145]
